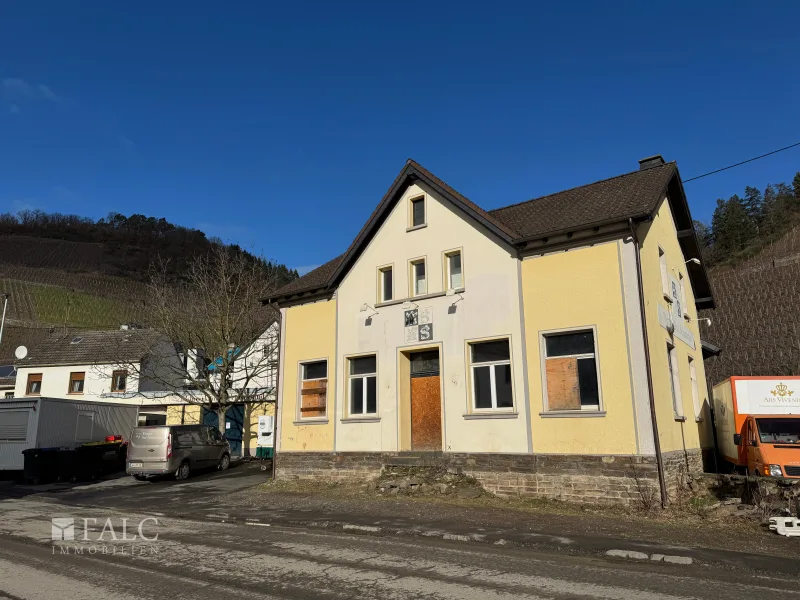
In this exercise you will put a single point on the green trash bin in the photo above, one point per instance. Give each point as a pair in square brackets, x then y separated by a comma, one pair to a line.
[263, 452]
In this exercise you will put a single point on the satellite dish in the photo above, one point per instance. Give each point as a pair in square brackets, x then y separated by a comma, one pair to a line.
[21, 352]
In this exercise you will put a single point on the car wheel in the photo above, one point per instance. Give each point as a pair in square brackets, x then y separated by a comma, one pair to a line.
[224, 462]
[140, 477]
[183, 471]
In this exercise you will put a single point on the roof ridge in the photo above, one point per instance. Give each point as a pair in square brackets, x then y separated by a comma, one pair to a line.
[577, 187]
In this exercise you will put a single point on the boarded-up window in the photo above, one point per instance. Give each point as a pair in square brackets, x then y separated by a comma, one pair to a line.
[571, 371]
[14, 425]
[314, 389]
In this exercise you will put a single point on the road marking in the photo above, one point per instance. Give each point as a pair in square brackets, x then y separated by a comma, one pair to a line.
[362, 527]
[258, 524]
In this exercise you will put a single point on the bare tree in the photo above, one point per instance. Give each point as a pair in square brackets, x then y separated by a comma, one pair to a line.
[222, 343]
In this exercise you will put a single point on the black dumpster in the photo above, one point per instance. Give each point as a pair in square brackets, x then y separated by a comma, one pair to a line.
[98, 458]
[41, 464]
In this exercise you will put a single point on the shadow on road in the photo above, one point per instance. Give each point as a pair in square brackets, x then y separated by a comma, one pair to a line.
[120, 489]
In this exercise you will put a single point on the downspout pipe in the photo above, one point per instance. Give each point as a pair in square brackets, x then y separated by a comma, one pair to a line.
[662, 483]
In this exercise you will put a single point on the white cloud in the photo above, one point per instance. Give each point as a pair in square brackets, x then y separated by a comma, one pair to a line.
[20, 205]
[48, 93]
[19, 89]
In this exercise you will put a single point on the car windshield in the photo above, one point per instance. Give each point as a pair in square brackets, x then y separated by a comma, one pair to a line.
[779, 431]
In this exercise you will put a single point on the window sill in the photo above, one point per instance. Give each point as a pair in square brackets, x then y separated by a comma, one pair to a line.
[417, 298]
[668, 298]
[311, 422]
[698, 419]
[361, 420]
[687, 317]
[491, 415]
[572, 414]
[416, 227]
[680, 419]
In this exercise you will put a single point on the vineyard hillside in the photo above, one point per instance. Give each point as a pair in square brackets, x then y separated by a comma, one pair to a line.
[757, 319]
[68, 272]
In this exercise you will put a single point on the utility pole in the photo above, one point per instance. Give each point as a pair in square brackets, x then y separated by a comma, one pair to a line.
[3, 321]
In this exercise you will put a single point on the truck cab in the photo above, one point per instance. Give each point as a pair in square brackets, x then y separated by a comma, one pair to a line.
[769, 445]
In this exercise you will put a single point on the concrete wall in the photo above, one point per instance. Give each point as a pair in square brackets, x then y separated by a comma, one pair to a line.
[581, 288]
[490, 308]
[309, 332]
[661, 233]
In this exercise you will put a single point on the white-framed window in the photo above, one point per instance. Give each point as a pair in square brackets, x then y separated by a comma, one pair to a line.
[490, 363]
[453, 269]
[362, 386]
[314, 389]
[698, 408]
[385, 284]
[674, 380]
[571, 374]
[419, 277]
[662, 261]
[417, 212]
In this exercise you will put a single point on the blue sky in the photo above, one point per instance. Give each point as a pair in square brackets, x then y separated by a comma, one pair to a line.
[280, 125]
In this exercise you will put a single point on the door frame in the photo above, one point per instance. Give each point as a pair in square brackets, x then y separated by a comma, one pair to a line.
[404, 393]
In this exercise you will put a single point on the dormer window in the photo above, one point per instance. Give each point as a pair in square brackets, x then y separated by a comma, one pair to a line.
[417, 216]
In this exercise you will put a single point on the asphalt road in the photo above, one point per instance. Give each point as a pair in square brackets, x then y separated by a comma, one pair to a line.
[203, 559]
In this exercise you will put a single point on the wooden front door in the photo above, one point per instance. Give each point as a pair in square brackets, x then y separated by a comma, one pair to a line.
[426, 402]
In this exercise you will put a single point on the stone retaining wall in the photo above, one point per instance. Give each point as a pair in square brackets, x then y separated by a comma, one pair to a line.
[574, 478]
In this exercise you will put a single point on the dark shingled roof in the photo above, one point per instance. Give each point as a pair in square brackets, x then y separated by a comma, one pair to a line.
[632, 195]
[93, 347]
[312, 280]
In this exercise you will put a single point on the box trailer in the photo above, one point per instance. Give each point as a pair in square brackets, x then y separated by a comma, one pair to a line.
[51, 422]
[758, 424]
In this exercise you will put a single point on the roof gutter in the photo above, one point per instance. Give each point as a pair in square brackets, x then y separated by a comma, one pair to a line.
[662, 483]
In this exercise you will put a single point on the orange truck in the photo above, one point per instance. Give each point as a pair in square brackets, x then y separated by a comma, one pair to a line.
[758, 424]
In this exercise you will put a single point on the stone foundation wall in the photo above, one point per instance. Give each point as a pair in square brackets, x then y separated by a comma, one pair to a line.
[680, 467]
[573, 478]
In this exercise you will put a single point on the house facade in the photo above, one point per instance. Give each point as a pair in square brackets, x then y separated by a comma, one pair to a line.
[253, 391]
[547, 348]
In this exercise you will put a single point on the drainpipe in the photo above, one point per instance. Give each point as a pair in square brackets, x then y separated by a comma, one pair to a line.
[662, 483]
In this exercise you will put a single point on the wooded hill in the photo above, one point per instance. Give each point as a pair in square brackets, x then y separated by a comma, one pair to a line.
[753, 248]
[70, 271]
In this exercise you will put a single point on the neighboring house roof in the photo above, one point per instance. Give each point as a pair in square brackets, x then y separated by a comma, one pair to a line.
[8, 376]
[636, 195]
[93, 347]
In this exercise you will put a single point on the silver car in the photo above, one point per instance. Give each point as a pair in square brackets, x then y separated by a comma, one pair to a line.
[176, 449]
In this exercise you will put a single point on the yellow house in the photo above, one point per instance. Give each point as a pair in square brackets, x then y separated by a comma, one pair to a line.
[548, 348]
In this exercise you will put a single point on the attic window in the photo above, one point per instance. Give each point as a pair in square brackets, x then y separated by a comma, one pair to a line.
[76, 340]
[417, 216]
